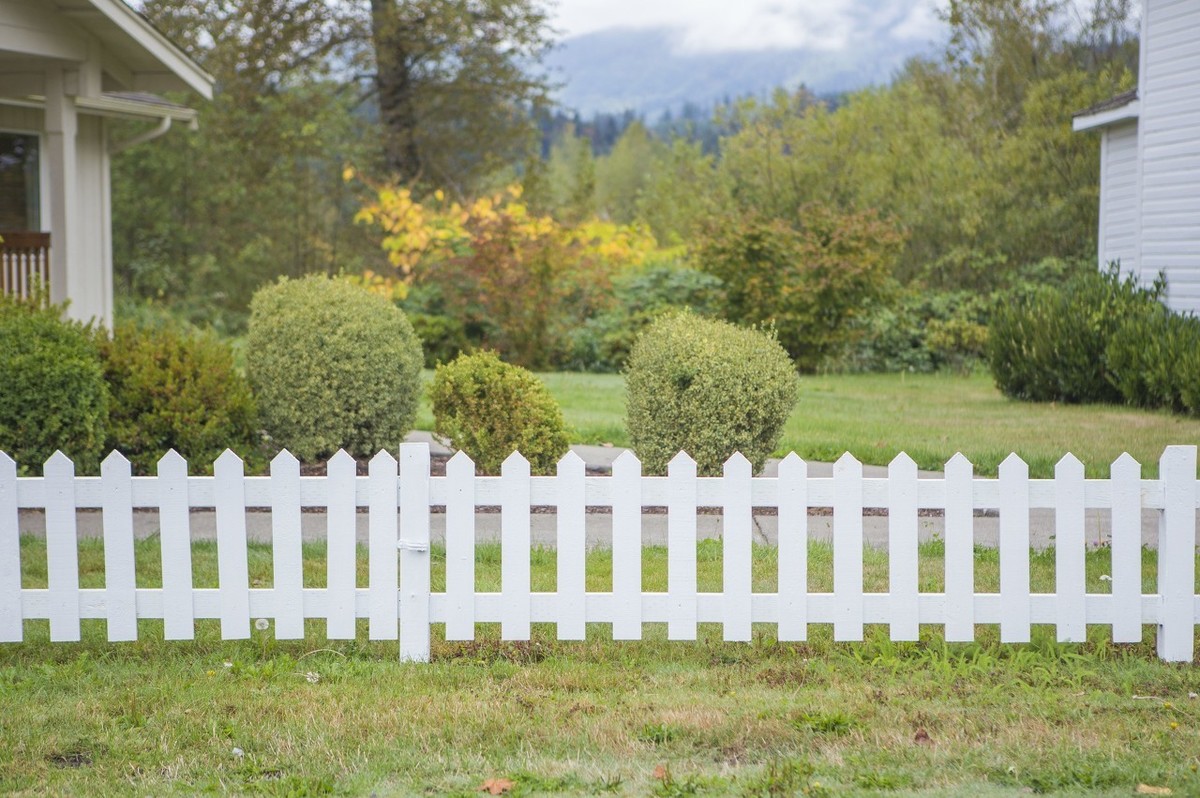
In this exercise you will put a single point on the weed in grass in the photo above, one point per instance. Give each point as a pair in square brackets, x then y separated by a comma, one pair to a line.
[779, 779]
[831, 723]
[658, 733]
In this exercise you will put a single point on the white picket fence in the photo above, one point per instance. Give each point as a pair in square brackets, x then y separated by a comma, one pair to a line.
[398, 602]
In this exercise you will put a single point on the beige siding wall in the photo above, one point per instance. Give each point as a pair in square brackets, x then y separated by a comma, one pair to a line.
[1170, 144]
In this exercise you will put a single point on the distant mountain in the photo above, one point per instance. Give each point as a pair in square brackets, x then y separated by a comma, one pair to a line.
[644, 70]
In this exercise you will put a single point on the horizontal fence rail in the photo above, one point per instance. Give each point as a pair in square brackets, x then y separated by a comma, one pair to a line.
[398, 497]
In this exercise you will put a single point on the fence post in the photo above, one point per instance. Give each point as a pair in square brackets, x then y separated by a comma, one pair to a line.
[12, 617]
[414, 552]
[1177, 555]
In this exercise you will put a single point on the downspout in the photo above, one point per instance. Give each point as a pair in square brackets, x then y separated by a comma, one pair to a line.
[160, 129]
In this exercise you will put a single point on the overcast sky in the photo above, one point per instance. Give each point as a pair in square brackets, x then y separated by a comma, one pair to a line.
[724, 25]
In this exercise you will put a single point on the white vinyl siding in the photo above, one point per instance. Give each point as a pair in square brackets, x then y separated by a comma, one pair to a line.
[1119, 200]
[1170, 150]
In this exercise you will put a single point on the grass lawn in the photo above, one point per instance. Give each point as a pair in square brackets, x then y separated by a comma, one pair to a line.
[645, 718]
[930, 416]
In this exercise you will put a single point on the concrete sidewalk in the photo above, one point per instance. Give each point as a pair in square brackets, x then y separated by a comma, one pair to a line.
[599, 525]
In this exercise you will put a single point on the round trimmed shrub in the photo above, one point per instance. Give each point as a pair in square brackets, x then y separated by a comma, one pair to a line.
[332, 366]
[708, 388]
[489, 409]
[174, 390]
[53, 394]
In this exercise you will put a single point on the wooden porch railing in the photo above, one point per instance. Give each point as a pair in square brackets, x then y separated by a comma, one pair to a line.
[24, 263]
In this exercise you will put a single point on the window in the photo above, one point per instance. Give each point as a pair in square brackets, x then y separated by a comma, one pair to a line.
[20, 189]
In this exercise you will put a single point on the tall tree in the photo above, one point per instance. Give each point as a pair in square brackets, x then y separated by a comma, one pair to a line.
[457, 85]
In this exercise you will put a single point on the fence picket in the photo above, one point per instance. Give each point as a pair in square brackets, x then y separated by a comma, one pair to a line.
[233, 573]
[514, 548]
[286, 552]
[681, 547]
[1014, 550]
[62, 548]
[342, 557]
[414, 553]
[627, 547]
[848, 548]
[902, 548]
[960, 550]
[120, 581]
[382, 536]
[1177, 555]
[571, 580]
[174, 523]
[12, 627]
[1069, 548]
[737, 548]
[793, 549]
[1126, 549]
[460, 548]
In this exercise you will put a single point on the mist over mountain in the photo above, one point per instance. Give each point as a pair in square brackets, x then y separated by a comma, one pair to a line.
[647, 71]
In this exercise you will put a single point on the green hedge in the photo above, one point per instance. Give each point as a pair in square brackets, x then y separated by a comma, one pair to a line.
[708, 388]
[333, 366]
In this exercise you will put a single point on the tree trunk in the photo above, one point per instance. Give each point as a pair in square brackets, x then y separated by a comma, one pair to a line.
[397, 104]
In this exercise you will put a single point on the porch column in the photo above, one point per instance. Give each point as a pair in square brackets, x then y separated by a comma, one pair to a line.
[62, 126]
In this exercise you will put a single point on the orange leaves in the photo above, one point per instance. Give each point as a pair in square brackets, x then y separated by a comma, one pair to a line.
[497, 786]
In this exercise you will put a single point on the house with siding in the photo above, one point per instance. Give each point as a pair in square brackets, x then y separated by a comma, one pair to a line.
[1150, 157]
[68, 69]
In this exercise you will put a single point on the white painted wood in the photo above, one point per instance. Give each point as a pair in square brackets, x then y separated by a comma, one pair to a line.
[1014, 550]
[382, 536]
[342, 557]
[793, 549]
[1126, 549]
[571, 581]
[627, 547]
[11, 626]
[120, 581]
[414, 553]
[681, 547]
[737, 550]
[514, 548]
[62, 549]
[286, 553]
[460, 547]
[1177, 555]
[175, 538]
[233, 573]
[848, 548]
[1069, 549]
[960, 550]
[902, 548]
[1119, 196]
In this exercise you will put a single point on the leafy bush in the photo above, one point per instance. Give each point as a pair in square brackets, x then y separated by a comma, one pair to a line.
[1051, 344]
[175, 390]
[809, 279]
[489, 409]
[920, 331]
[332, 365]
[708, 388]
[53, 394]
[1148, 359]
[641, 295]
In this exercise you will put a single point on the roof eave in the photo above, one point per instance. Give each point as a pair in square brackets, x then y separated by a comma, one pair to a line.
[1125, 113]
[162, 48]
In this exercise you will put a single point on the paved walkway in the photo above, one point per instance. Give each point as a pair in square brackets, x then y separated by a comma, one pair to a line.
[599, 526]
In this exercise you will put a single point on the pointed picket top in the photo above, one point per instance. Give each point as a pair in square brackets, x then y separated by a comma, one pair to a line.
[902, 462]
[570, 462]
[115, 462]
[627, 462]
[59, 463]
[172, 460]
[682, 461]
[847, 464]
[340, 459]
[7, 463]
[959, 463]
[1126, 461]
[382, 459]
[283, 460]
[1013, 463]
[793, 467]
[515, 463]
[228, 459]
[461, 463]
[1069, 466]
[737, 465]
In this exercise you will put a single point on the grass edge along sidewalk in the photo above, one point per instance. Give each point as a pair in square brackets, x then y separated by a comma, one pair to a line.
[317, 717]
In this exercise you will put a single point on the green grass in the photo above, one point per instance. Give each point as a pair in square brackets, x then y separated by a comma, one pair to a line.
[876, 416]
[629, 718]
